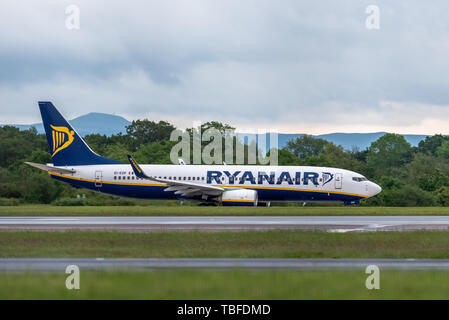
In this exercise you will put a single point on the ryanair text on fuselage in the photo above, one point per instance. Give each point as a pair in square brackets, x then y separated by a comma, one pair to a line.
[239, 177]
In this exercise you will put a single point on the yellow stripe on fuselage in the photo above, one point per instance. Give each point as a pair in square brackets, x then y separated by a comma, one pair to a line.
[108, 182]
[293, 189]
[218, 185]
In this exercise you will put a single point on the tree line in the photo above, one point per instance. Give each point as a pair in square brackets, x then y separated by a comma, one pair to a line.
[409, 176]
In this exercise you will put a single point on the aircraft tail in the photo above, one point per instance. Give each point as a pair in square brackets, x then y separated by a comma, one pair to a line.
[67, 148]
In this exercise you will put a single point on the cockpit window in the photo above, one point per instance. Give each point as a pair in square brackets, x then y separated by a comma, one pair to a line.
[359, 179]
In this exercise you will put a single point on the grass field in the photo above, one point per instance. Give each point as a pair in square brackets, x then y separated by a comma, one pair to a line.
[47, 210]
[232, 284]
[272, 244]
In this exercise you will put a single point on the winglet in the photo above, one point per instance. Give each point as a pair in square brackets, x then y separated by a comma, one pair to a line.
[136, 168]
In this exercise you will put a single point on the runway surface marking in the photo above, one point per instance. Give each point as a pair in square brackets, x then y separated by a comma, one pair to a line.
[355, 220]
[55, 264]
[232, 223]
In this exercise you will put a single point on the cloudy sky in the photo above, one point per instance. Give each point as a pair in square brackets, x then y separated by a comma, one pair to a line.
[295, 66]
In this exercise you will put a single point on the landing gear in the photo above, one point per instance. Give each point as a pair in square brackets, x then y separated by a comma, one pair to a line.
[208, 204]
[350, 203]
[264, 204]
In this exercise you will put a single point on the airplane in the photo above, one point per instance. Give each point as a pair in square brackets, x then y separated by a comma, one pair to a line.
[73, 162]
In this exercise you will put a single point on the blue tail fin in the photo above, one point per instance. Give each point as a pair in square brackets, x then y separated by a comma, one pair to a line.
[67, 148]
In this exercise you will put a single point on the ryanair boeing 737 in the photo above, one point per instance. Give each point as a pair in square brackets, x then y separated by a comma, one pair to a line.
[76, 164]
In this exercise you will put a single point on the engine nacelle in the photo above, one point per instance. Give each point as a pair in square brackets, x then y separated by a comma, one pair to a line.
[239, 197]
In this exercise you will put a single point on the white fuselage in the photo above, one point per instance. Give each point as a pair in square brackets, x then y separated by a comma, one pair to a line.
[273, 183]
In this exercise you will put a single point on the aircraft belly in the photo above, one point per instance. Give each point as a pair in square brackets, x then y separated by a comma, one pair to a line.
[302, 195]
[129, 191]
[157, 192]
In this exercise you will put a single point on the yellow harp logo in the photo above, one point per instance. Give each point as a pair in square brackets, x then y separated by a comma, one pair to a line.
[62, 138]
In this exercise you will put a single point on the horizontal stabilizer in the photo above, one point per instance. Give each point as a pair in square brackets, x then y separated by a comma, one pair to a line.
[50, 168]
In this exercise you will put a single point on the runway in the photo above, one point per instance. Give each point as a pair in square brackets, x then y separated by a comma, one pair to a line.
[56, 264]
[228, 223]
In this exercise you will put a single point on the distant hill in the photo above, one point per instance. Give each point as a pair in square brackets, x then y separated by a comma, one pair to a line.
[108, 124]
[363, 140]
[90, 123]
[347, 140]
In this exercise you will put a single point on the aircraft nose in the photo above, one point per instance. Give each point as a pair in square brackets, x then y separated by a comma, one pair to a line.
[374, 189]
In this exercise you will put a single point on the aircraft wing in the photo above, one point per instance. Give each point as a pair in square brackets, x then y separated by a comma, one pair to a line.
[50, 168]
[186, 189]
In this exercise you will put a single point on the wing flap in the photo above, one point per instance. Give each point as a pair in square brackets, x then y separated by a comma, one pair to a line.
[179, 187]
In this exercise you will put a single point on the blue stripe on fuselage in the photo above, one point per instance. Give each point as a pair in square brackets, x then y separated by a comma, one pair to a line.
[157, 192]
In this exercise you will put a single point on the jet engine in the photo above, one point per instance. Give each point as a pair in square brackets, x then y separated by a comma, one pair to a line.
[239, 197]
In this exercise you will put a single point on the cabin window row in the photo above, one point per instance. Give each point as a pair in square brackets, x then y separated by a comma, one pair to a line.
[180, 178]
[160, 177]
[126, 178]
[222, 178]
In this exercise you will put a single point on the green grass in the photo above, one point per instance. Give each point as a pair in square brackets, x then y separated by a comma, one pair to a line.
[231, 284]
[47, 210]
[272, 244]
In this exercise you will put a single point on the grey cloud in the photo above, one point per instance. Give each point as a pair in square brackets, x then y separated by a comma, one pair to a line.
[286, 63]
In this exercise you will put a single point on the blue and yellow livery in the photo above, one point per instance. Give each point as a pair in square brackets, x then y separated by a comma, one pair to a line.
[76, 164]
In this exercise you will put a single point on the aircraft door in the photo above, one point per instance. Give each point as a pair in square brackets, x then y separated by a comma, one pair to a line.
[98, 179]
[338, 180]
